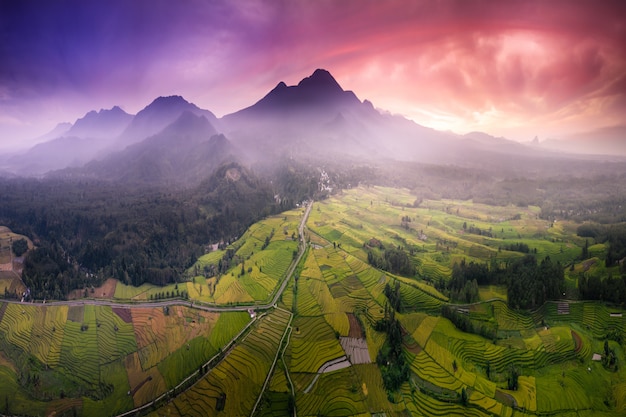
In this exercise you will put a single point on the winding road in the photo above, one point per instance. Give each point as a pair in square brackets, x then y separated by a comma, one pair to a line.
[201, 306]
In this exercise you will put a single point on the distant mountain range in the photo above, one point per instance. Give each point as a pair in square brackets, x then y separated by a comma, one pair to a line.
[604, 141]
[172, 141]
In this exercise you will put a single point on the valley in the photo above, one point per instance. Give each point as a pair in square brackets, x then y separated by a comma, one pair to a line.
[323, 302]
[313, 208]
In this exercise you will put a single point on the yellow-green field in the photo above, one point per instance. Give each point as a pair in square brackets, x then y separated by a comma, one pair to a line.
[317, 350]
[89, 358]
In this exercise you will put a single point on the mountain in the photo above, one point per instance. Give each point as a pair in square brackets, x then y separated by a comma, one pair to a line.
[71, 145]
[59, 130]
[317, 117]
[172, 140]
[66, 151]
[159, 114]
[316, 96]
[183, 152]
[609, 141]
[98, 134]
[101, 124]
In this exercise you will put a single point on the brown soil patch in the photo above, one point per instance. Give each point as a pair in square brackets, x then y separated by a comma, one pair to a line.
[588, 264]
[506, 399]
[18, 265]
[76, 313]
[141, 384]
[355, 327]
[578, 342]
[123, 313]
[412, 346]
[106, 290]
[146, 385]
[149, 325]
[5, 362]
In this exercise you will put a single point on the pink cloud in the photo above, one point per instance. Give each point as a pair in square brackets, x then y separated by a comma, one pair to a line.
[521, 59]
[471, 64]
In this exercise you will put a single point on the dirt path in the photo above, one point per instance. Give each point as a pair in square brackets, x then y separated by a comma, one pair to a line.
[331, 365]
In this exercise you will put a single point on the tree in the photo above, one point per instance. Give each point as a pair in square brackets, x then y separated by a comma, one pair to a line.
[19, 247]
[512, 380]
[585, 252]
[464, 396]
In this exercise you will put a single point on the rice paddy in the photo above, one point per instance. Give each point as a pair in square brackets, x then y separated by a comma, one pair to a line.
[110, 360]
[99, 360]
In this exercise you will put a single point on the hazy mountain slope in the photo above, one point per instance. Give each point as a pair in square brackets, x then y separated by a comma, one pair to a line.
[317, 117]
[169, 140]
[157, 115]
[103, 124]
[74, 144]
[606, 141]
[184, 152]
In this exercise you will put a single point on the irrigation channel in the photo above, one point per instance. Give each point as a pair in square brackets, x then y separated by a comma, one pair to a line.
[211, 308]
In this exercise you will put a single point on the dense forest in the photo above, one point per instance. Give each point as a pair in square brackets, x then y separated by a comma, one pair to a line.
[86, 231]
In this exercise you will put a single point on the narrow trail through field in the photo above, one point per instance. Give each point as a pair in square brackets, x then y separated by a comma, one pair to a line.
[329, 366]
[281, 349]
[279, 291]
[201, 306]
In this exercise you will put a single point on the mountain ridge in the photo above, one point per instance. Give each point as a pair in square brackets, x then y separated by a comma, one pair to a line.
[101, 124]
[314, 119]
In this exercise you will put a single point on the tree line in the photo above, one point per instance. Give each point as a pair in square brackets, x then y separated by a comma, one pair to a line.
[529, 283]
[390, 359]
[393, 259]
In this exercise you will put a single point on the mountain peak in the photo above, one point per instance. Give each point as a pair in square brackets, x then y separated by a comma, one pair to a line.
[104, 123]
[318, 95]
[321, 79]
[190, 123]
[279, 87]
[164, 101]
[159, 114]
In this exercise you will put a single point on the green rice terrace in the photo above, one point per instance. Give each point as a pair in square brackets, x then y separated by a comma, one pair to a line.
[376, 314]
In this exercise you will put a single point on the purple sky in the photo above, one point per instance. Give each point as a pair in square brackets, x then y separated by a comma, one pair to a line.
[512, 68]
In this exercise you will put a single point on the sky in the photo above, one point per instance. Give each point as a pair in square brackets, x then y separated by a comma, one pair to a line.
[517, 69]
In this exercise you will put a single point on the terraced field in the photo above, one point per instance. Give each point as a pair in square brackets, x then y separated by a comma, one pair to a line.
[444, 360]
[127, 357]
[235, 383]
[99, 360]
[313, 343]
[264, 254]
